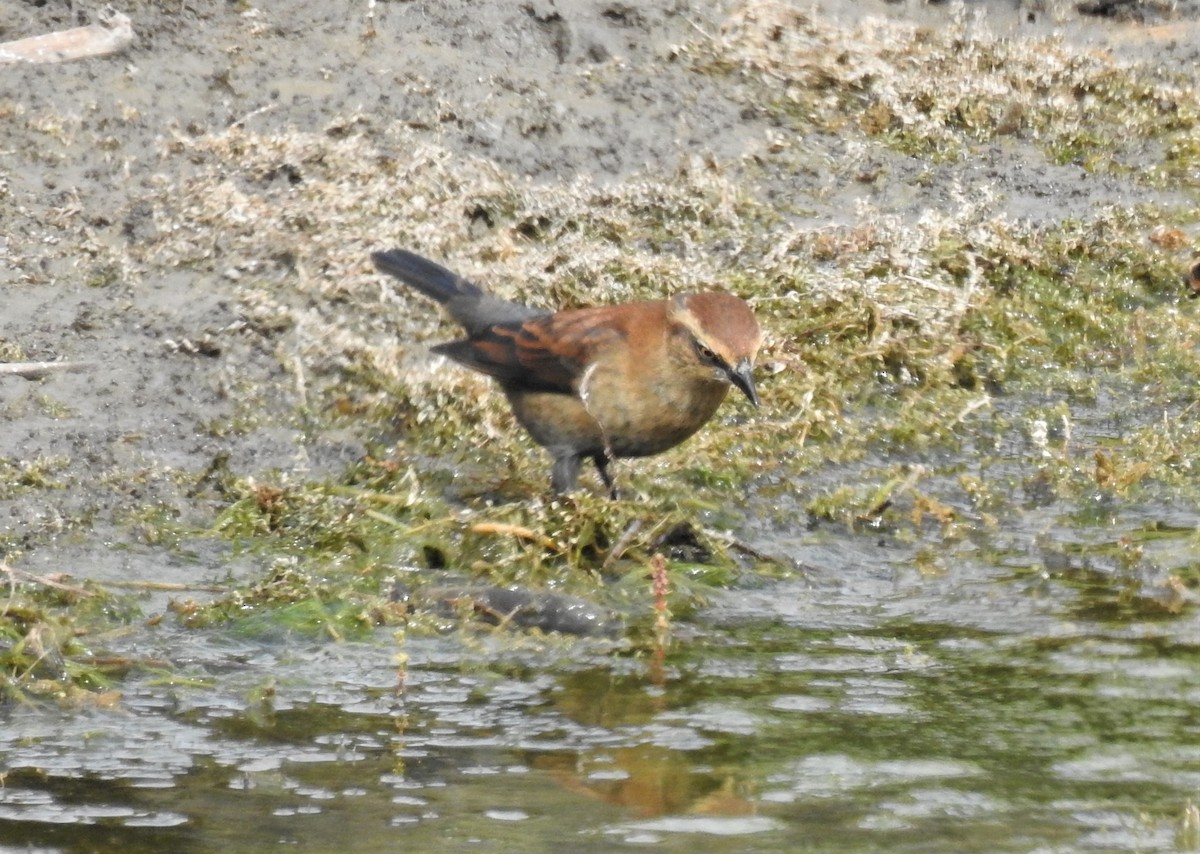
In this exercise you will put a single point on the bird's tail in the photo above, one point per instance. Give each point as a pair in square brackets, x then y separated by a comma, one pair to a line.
[431, 279]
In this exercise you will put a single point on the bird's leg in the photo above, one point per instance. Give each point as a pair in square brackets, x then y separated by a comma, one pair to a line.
[565, 473]
[602, 461]
[603, 458]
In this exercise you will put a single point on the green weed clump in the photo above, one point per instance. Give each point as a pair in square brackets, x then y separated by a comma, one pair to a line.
[46, 625]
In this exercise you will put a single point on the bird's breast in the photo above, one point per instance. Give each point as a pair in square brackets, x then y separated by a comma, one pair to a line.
[627, 414]
[659, 416]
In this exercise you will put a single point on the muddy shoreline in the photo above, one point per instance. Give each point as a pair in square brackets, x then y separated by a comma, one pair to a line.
[186, 380]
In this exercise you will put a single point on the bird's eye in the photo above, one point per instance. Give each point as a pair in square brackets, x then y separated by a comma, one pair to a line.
[706, 354]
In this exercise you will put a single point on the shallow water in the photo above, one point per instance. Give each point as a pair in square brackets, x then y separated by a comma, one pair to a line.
[1032, 695]
[1029, 684]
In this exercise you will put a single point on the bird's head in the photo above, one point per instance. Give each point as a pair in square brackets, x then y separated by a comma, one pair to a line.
[720, 337]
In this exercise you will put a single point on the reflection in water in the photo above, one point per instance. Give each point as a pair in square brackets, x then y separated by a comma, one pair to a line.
[649, 781]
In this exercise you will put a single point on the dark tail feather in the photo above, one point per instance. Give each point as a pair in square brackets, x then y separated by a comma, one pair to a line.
[431, 279]
[466, 302]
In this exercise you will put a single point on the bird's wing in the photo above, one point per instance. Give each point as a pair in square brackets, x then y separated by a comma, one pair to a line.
[542, 354]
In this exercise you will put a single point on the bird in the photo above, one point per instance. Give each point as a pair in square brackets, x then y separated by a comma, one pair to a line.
[602, 382]
[1191, 280]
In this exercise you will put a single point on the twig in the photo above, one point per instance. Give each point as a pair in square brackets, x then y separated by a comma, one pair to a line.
[743, 546]
[110, 661]
[622, 544]
[977, 403]
[517, 531]
[700, 29]
[112, 33]
[37, 370]
[165, 585]
[301, 383]
[22, 575]
[252, 114]
[369, 495]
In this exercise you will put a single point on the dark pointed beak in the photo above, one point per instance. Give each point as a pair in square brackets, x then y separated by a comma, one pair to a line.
[742, 376]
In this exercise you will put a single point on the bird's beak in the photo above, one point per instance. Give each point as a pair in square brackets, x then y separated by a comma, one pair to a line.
[742, 376]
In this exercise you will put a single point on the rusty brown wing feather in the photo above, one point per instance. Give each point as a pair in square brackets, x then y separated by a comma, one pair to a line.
[543, 354]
